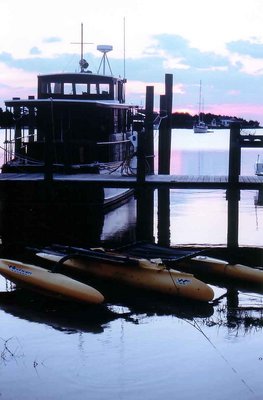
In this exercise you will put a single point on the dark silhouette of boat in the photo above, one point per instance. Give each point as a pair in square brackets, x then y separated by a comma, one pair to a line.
[79, 123]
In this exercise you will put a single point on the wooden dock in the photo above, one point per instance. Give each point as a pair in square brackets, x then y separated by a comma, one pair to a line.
[151, 181]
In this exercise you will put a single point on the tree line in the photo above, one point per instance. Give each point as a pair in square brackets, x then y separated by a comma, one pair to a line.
[186, 120]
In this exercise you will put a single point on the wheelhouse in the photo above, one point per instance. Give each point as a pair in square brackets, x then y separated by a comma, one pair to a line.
[81, 86]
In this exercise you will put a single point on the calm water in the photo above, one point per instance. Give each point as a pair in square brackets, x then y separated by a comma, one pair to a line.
[139, 346]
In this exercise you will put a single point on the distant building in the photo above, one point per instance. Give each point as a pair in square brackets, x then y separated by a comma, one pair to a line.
[226, 122]
[215, 123]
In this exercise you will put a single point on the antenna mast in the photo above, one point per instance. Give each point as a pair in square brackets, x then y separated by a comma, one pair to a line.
[83, 63]
[104, 49]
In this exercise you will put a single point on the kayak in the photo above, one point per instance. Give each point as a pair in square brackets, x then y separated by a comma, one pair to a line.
[55, 284]
[138, 273]
[191, 261]
[221, 268]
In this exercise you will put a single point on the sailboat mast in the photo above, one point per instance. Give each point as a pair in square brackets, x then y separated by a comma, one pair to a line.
[200, 98]
[81, 44]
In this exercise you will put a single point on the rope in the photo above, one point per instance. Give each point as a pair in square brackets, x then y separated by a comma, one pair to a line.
[197, 326]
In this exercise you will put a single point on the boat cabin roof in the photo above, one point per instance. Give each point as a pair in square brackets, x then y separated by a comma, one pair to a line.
[80, 77]
[32, 102]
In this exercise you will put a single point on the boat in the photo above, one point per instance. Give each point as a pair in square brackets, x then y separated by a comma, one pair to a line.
[196, 262]
[79, 123]
[220, 268]
[138, 273]
[51, 283]
[200, 126]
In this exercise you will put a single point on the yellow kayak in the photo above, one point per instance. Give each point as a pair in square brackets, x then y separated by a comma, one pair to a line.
[209, 265]
[198, 264]
[54, 284]
[139, 273]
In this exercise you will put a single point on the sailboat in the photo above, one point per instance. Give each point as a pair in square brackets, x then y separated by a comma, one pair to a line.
[200, 126]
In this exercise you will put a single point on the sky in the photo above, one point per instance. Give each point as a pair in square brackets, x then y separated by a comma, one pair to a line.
[219, 43]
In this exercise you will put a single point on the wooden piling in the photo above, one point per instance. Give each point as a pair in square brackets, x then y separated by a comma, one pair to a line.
[234, 154]
[18, 138]
[164, 153]
[149, 142]
[165, 129]
[145, 196]
[48, 150]
[145, 214]
[233, 193]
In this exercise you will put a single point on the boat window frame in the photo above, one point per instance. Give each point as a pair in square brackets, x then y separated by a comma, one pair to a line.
[97, 87]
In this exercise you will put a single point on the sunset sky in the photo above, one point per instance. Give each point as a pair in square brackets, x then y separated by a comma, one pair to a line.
[217, 42]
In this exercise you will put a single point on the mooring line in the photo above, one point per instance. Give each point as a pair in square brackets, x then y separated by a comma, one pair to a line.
[197, 326]
[171, 276]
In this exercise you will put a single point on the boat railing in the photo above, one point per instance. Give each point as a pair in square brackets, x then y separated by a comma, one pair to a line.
[15, 147]
[113, 143]
[12, 142]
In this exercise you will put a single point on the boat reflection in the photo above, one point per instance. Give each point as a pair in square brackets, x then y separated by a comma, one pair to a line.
[238, 312]
[67, 317]
[69, 222]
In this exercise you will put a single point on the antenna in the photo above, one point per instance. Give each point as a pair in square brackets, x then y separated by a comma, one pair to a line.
[124, 48]
[104, 49]
[83, 63]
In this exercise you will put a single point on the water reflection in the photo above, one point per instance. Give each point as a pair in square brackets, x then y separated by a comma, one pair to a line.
[237, 310]
[67, 317]
[240, 312]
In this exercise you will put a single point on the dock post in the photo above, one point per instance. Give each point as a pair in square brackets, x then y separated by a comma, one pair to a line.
[149, 144]
[233, 192]
[164, 154]
[141, 170]
[48, 150]
[164, 151]
[18, 139]
[145, 214]
[145, 196]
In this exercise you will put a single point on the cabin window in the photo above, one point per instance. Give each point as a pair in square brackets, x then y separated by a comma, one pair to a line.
[81, 88]
[104, 88]
[45, 88]
[93, 88]
[56, 87]
[68, 88]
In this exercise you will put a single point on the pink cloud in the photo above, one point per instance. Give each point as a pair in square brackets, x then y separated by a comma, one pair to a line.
[16, 83]
[246, 111]
[139, 87]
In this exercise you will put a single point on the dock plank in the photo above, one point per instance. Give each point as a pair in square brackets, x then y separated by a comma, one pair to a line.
[153, 181]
